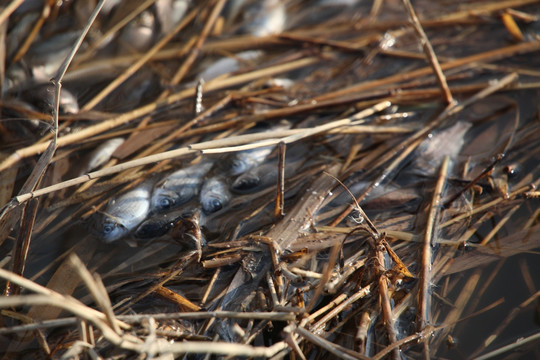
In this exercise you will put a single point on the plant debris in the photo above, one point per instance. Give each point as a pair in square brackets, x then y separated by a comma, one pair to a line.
[269, 179]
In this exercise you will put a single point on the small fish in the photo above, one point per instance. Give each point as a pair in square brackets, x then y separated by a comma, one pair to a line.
[262, 176]
[103, 153]
[179, 187]
[42, 96]
[432, 150]
[124, 213]
[259, 18]
[228, 65]
[170, 13]
[158, 224]
[215, 194]
[244, 161]
[139, 33]
[44, 58]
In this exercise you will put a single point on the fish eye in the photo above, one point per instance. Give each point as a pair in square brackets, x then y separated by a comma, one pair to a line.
[108, 228]
[165, 203]
[246, 183]
[238, 164]
[216, 205]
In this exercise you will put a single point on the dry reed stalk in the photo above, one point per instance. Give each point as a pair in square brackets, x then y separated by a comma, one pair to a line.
[208, 147]
[428, 50]
[97, 289]
[424, 313]
[138, 64]
[280, 191]
[81, 57]
[514, 346]
[327, 345]
[504, 323]
[45, 12]
[492, 55]
[8, 10]
[500, 224]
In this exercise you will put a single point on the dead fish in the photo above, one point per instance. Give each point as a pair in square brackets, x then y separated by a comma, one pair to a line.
[170, 13]
[124, 213]
[259, 18]
[244, 161]
[179, 187]
[42, 97]
[103, 153]
[215, 194]
[44, 58]
[228, 65]
[158, 224]
[139, 33]
[432, 150]
[262, 176]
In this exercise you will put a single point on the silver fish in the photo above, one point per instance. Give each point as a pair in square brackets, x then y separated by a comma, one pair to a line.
[445, 142]
[44, 58]
[179, 187]
[103, 153]
[259, 18]
[228, 65]
[170, 13]
[262, 176]
[124, 213]
[215, 194]
[244, 161]
[158, 224]
[139, 33]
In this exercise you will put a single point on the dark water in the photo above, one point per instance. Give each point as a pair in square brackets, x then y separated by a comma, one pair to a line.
[505, 122]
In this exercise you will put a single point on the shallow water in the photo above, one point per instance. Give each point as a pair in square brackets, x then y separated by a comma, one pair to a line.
[234, 268]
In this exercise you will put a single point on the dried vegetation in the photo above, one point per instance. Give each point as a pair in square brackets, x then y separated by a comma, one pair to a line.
[402, 219]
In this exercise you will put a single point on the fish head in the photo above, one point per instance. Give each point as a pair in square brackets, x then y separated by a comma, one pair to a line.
[163, 199]
[211, 204]
[152, 229]
[242, 163]
[246, 182]
[110, 230]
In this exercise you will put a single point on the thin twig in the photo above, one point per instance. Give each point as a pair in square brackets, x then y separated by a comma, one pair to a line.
[428, 50]
[280, 191]
[424, 314]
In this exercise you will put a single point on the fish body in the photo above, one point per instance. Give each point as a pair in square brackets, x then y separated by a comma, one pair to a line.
[179, 187]
[103, 153]
[261, 177]
[124, 213]
[244, 161]
[259, 18]
[170, 13]
[215, 194]
[228, 65]
[158, 224]
[432, 150]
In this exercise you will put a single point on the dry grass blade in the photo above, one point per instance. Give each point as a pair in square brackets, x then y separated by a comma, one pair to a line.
[516, 345]
[146, 109]
[428, 49]
[423, 314]
[327, 345]
[137, 65]
[8, 10]
[209, 147]
[345, 88]
[98, 291]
